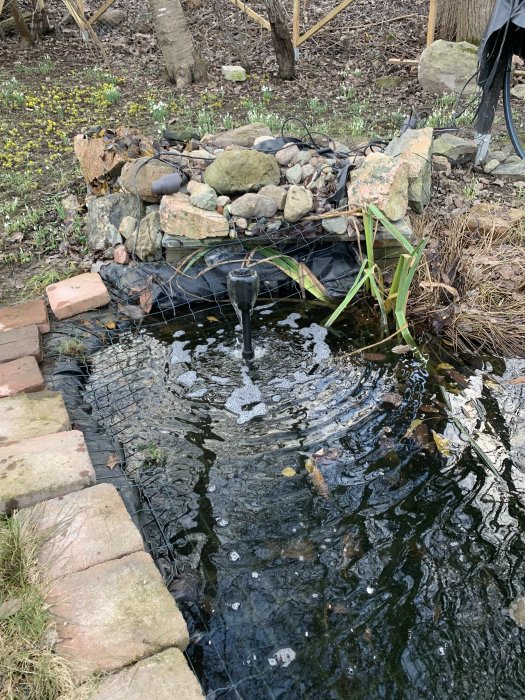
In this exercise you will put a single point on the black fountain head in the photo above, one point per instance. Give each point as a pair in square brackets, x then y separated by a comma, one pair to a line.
[243, 287]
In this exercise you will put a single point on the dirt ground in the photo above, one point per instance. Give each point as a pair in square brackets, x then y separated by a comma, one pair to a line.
[345, 87]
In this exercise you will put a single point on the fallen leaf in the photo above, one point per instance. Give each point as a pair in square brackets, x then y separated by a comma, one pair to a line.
[374, 356]
[214, 319]
[444, 365]
[10, 607]
[112, 462]
[401, 349]
[442, 443]
[517, 380]
[288, 471]
[413, 425]
[111, 325]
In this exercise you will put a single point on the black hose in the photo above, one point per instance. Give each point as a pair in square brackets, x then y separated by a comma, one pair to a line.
[509, 119]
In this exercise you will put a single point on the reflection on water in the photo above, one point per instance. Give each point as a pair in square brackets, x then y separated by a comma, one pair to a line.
[395, 585]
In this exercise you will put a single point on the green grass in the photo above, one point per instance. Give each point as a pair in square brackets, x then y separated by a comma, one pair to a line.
[74, 347]
[37, 283]
[29, 670]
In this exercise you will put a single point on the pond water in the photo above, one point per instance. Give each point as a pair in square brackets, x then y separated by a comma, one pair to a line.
[383, 570]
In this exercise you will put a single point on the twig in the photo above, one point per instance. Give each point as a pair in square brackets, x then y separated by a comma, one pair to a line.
[333, 214]
[379, 342]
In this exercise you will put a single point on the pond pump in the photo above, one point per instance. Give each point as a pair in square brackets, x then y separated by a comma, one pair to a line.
[243, 287]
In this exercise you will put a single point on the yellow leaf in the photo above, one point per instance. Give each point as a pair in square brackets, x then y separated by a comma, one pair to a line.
[288, 471]
[112, 462]
[111, 325]
[444, 365]
[441, 443]
[413, 425]
[212, 318]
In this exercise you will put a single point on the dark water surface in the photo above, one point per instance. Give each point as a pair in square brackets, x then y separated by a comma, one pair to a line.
[395, 586]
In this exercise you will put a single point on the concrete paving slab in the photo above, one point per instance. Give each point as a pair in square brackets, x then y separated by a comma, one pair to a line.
[43, 467]
[164, 676]
[93, 526]
[77, 294]
[21, 376]
[20, 342]
[29, 313]
[114, 614]
[29, 415]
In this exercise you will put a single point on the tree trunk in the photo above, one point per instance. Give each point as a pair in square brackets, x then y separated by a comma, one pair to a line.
[23, 29]
[463, 20]
[183, 63]
[281, 40]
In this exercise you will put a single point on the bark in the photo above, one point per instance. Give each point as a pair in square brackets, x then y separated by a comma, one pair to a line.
[281, 40]
[183, 63]
[462, 20]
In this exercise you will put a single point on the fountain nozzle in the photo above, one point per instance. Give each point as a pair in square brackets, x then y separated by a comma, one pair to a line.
[243, 287]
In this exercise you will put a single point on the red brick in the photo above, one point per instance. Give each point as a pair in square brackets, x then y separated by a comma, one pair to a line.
[20, 342]
[30, 313]
[77, 294]
[20, 376]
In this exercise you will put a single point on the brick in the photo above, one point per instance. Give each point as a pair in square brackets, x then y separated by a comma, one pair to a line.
[29, 415]
[43, 467]
[30, 313]
[77, 294]
[20, 342]
[164, 676]
[92, 526]
[114, 614]
[20, 376]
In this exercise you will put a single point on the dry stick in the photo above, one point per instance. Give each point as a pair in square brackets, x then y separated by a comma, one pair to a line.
[296, 21]
[374, 24]
[379, 342]
[431, 27]
[333, 214]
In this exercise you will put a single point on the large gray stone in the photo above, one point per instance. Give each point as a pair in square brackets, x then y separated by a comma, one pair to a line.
[454, 148]
[136, 177]
[382, 181]
[146, 243]
[242, 136]
[414, 147]
[253, 206]
[236, 172]
[104, 217]
[202, 196]
[278, 194]
[299, 202]
[510, 171]
[179, 217]
[447, 66]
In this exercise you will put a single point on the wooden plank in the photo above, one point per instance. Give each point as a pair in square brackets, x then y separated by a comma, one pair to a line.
[431, 27]
[244, 7]
[1, 6]
[333, 13]
[296, 21]
[100, 11]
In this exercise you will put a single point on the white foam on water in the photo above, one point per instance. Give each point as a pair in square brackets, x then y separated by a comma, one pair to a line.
[247, 395]
[187, 378]
[315, 336]
[178, 353]
[290, 320]
[282, 657]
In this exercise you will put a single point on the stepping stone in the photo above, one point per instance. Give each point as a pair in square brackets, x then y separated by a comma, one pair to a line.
[30, 313]
[20, 376]
[20, 342]
[165, 676]
[43, 467]
[28, 415]
[114, 614]
[77, 294]
[93, 527]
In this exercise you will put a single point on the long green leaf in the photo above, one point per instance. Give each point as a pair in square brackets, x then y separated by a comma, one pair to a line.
[297, 271]
[360, 280]
[391, 228]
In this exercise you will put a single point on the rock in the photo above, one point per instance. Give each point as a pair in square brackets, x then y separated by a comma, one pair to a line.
[241, 224]
[414, 147]
[223, 200]
[242, 136]
[517, 611]
[121, 255]
[146, 243]
[446, 66]
[493, 218]
[491, 165]
[179, 217]
[285, 156]
[382, 181]
[299, 201]
[518, 91]
[104, 217]
[455, 148]
[253, 206]
[127, 226]
[337, 225]
[278, 194]
[303, 157]
[510, 171]
[136, 177]
[294, 174]
[96, 162]
[113, 17]
[307, 171]
[236, 74]
[202, 196]
[441, 165]
[236, 172]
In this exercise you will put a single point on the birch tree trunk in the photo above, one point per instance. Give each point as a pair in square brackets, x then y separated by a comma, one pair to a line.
[463, 20]
[183, 63]
[281, 40]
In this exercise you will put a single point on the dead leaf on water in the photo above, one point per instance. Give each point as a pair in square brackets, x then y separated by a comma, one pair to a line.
[288, 471]
[214, 319]
[374, 356]
[401, 349]
[517, 380]
[111, 325]
[442, 444]
[444, 365]
[112, 462]
[517, 611]
[413, 425]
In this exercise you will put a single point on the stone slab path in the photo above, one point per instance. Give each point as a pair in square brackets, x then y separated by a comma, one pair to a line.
[113, 614]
